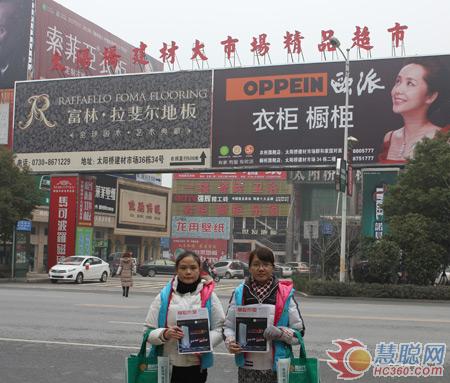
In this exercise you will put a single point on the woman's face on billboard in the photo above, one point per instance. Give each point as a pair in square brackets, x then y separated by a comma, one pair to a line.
[410, 91]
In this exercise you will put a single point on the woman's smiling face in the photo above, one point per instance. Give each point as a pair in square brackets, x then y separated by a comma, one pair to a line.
[410, 91]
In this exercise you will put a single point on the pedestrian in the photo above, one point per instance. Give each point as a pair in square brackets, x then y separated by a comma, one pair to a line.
[126, 270]
[186, 291]
[263, 289]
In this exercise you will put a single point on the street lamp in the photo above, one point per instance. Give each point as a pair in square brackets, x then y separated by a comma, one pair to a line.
[342, 264]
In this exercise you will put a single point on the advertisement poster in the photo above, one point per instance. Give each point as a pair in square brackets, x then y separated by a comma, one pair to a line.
[86, 194]
[376, 183]
[201, 227]
[213, 249]
[251, 321]
[195, 326]
[15, 41]
[62, 218]
[84, 239]
[131, 123]
[61, 31]
[142, 209]
[294, 115]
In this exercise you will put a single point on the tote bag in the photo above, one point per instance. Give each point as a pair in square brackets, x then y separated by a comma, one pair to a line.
[140, 368]
[303, 369]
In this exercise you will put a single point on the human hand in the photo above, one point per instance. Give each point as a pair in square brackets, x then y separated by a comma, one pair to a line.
[173, 332]
[272, 332]
[232, 346]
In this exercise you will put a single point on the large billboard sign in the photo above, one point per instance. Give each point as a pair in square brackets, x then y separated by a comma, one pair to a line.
[294, 115]
[121, 123]
[212, 249]
[376, 183]
[201, 227]
[15, 21]
[142, 209]
[61, 32]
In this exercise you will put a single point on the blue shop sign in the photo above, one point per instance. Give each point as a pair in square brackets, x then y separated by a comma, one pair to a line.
[23, 225]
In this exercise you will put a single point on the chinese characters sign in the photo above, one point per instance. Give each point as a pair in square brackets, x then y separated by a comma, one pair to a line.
[142, 209]
[86, 193]
[201, 227]
[205, 248]
[294, 115]
[62, 218]
[68, 45]
[375, 186]
[139, 122]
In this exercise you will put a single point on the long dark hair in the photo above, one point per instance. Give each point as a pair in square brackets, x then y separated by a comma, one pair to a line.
[436, 76]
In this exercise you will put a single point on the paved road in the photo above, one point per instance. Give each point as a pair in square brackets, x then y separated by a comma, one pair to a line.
[68, 333]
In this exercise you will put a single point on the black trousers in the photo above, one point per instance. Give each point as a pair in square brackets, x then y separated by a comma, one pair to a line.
[192, 374]
[125, 291]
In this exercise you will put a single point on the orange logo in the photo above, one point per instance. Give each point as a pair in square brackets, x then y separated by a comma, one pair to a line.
[281, 86]
[351, 360]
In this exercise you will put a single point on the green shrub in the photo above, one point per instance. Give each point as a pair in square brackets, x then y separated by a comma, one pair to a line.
[371, 290]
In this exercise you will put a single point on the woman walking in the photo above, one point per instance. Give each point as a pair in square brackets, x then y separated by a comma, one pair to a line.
[263, 290]
[186, 291]
[127, 268]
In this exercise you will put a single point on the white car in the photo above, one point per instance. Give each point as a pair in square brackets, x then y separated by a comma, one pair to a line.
[282, 271]
[79, 268]
[443, 278]
[229, 269]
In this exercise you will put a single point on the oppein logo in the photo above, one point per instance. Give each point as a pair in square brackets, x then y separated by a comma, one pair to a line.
[39, 104]
[281, 86]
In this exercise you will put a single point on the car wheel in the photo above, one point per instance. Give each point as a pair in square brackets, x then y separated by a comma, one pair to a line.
[54, 280]
[151, 273]
[79, 278]
[227, 275]
[104, 277]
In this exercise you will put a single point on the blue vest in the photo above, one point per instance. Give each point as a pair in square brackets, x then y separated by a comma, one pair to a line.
[281, 349]
[207, 359]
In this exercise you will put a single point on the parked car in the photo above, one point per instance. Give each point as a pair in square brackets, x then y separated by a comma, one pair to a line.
[282, 271]
[299, 267]
[230, 269]
[160, 266]
[79, 268]
[443, 277]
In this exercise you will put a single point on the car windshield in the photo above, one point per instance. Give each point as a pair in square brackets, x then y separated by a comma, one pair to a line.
[72, 261]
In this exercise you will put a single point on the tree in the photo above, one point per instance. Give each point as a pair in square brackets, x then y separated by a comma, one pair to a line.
[18, 194]
[418, 210]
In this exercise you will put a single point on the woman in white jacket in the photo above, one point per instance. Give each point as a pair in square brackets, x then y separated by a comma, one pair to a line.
[263, 289]
[187, 291]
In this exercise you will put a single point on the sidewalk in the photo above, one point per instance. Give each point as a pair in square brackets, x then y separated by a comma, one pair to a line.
[30, 278]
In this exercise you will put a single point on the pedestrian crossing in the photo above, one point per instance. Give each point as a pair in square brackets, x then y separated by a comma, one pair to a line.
[153, 285]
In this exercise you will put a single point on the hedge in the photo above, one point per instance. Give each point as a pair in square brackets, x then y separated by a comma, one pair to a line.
[370, 290]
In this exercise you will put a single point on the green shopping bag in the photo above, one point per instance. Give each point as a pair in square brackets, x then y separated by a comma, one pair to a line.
[303, 369]
[140, 368]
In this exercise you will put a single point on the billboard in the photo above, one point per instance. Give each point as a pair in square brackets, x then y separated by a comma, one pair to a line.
[60, 31]
[105, 193]
[62, 218]
[277, 175]
[142, 209]
[375, 185]
[6, 116]
[15, 21]
[121, 123]
[294, 115]
[201, 227]
[212, 249]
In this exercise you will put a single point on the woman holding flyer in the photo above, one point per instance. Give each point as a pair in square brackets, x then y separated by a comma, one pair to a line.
[257, 348]
[187, 293]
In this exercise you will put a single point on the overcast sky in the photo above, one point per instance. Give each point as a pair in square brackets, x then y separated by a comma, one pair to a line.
[183, 21]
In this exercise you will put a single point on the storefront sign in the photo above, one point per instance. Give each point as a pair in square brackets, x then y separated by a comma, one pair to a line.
[201, 227]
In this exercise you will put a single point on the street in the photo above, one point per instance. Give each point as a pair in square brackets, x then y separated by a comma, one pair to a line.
[71, 333]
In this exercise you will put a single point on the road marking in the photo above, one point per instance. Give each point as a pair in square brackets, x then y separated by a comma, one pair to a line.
[85, 344]
[109, 306]
[398, 319]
